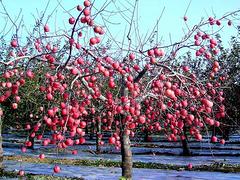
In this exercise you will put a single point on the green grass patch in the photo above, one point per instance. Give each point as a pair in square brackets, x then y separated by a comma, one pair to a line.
[217, 166]
[29, 176]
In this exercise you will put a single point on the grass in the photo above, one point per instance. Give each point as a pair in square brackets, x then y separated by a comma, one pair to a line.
[29, 176]
[217, 166]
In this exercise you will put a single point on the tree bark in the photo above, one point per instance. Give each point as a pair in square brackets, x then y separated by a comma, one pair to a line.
[146, 135]
[186, 150]
[226, 133]
[126, 156]
[1, 149]
[91, 131]
[185, 147]
[98, 139]
[126, 151]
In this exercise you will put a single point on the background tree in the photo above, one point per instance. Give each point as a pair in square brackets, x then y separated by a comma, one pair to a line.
[1, 149]
[229, 59]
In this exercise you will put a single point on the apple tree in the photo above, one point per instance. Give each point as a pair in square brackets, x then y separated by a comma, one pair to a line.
[125, 87]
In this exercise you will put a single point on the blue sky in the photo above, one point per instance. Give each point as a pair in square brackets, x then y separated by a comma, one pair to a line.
[171, 22]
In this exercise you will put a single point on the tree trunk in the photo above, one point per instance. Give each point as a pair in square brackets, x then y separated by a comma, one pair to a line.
[185, 147]
[1, 149]
[126, 151]
[213, 131]
[226, 133]
[98, 139]
[91, 131]
[186, 150]
[1, 154]
[126, 156]
[146, 136]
